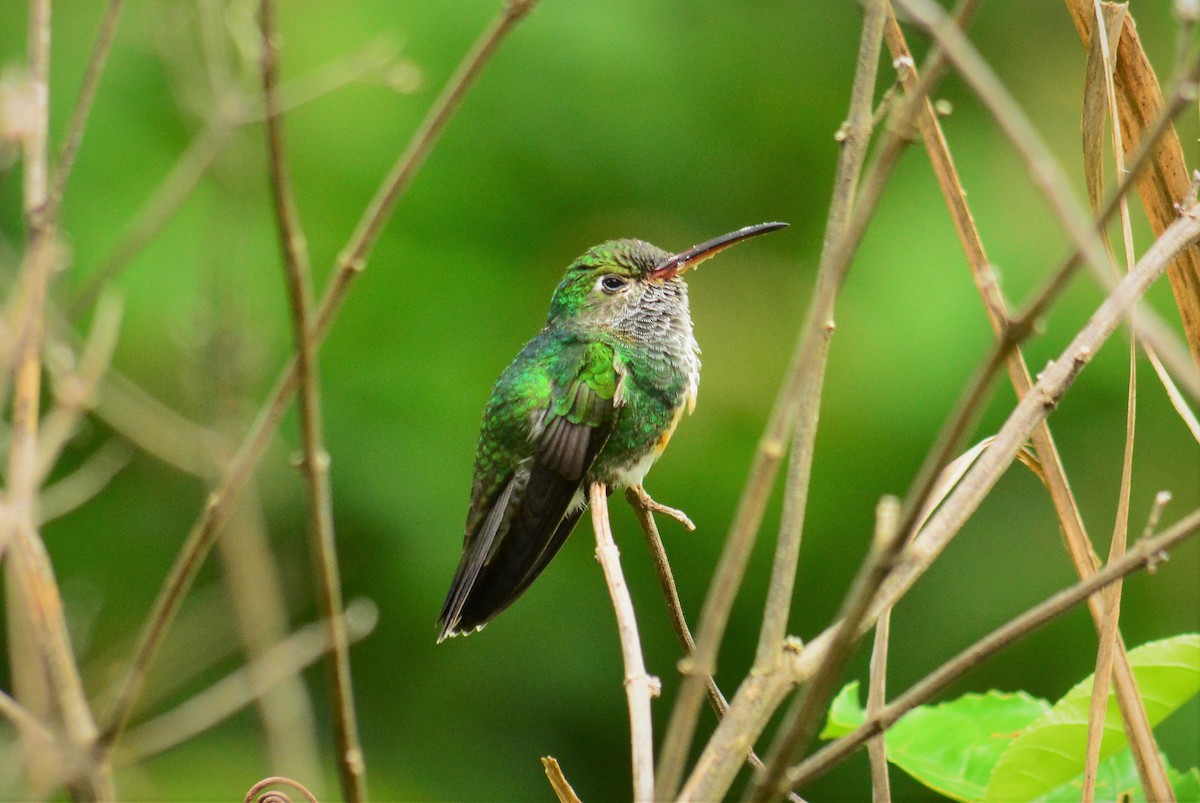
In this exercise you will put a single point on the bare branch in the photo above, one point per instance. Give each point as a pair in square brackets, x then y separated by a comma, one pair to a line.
[640, 687]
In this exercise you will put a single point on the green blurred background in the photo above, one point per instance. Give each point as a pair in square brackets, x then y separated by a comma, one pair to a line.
[670, 121]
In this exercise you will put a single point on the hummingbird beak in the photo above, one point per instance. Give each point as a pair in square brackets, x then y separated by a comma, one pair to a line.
[676, 264]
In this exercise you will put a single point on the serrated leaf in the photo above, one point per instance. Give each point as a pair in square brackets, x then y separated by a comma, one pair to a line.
[1049, 753]
[950, 747]
[1187, 785]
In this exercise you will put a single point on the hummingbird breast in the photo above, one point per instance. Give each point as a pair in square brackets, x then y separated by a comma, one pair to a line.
[657, 349]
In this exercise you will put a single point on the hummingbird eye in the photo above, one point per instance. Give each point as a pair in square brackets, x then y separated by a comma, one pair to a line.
[612, 283]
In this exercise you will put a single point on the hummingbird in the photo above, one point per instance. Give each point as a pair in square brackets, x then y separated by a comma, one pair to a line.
[594, 397]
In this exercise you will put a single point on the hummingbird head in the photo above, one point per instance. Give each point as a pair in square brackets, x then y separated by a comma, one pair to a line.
[620, 280]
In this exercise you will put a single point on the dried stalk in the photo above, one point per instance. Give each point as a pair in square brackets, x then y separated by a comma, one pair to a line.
[558, 782]
[1140, 101]
[315, 463]
[887, 521]
[201, 537]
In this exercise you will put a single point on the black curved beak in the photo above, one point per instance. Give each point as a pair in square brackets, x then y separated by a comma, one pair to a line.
[676, 264]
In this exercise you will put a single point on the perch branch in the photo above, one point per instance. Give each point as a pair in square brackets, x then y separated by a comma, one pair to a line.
[644, 508]
[640, 688]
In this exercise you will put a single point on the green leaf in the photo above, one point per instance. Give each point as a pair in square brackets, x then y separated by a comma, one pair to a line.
[1117, 779]
[1049, 753]
[845, 713]
[1187, 785]
[950, 747]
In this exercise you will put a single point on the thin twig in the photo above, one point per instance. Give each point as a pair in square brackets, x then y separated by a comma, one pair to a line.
[218, 702]
[640, 687]
[315, 463]
[84, 483]
[854, 137]
[1144, 554]
[200, 539]
[803, 722]
[75, 388]
[887, 522]
[83, 106]
[643, 511]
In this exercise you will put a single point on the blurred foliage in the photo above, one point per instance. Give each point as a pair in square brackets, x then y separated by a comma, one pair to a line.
[670, 121]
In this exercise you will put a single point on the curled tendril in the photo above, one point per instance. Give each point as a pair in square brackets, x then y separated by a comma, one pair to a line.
[259, 794]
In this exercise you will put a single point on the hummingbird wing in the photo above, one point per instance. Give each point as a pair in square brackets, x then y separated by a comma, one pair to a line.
[520, 516]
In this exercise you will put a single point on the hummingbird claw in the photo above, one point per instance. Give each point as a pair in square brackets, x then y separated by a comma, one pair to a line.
[643, 500]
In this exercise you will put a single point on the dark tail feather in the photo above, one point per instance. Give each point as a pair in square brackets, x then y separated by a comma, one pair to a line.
[495, 591]
[496, 570]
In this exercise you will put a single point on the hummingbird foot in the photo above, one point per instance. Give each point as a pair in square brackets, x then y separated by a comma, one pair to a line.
[640, 498]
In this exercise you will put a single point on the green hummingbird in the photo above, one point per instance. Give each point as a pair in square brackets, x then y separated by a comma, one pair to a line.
[594, 397]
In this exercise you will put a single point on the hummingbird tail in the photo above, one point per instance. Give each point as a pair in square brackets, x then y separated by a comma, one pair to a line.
[502, 561]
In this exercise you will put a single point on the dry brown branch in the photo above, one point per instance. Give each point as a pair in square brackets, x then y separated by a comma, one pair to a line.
[44, 675]
[1140, 104]
[201, 537]
[640, 687]
[1147, 552]
[315, 464]
[643, 508]
[558, 782]
[1077, 541]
